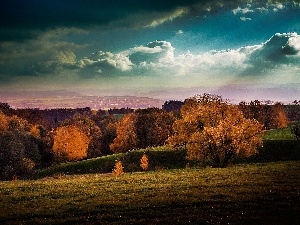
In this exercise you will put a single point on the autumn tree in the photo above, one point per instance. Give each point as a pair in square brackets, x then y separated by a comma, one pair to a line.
[126, 134]
[212, 129]
[90, 129]
[153, 126]
[70, 143]
[144, 162]
[272, 116]
[278, 116]
[118, 169]
[144, 128]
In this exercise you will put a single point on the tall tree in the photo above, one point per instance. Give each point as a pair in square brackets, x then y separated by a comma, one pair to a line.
[126, 134]
[19, 153]
[212, 129]
[70, 143]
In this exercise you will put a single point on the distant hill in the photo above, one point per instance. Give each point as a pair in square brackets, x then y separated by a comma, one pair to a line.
[65, 99]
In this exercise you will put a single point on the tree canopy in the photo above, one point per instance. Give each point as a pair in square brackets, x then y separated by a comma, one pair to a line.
[212, 129]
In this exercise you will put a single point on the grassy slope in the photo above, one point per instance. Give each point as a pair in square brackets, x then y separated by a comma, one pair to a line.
[280, 134]
[159, 158]
[266, 193]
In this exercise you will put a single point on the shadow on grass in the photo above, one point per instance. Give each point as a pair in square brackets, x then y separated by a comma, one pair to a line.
[278, 150]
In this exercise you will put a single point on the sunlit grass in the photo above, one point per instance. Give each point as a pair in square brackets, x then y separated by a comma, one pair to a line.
[279, 134]
[240, 194]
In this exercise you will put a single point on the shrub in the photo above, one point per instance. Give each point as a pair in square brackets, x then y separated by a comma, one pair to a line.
[144, 162]
[118, 169]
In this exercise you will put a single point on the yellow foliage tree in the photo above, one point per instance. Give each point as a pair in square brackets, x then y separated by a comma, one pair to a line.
[212, 129]
[70, 143]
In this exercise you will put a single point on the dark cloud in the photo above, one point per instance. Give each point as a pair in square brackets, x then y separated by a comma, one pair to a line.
[280, 49]
[18, 18]
[25, 19]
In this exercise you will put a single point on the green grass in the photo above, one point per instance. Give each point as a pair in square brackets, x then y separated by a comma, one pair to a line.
[264, 193]
[279, 134]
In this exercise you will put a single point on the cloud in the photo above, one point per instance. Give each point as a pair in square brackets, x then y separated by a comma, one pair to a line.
[245, 18]
[179, 32]
[280, 50]
[103, 64]
[46, 54]
[128, 61]
[50, 56]
[23, 20]
[239, 10]
[169, 17]
[261, 6]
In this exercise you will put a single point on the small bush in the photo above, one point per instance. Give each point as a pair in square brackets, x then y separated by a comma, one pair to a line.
[144, 162]
[118, 169]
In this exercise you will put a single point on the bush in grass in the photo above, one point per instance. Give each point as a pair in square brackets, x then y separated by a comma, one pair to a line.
[144, 162]
[118, 169]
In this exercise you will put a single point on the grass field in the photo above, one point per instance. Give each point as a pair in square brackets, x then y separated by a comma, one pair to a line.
[259, 193]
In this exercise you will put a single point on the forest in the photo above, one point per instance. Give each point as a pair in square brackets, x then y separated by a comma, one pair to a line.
[206, 126]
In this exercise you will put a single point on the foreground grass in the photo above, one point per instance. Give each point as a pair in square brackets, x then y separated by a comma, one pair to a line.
[265, 193]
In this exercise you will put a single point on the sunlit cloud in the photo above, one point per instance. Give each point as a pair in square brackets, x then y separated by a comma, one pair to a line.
[169, 17]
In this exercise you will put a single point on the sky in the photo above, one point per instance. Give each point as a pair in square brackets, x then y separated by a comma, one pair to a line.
[241, 49]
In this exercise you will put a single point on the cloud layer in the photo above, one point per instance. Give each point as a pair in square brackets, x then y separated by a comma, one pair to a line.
[279, 54]
[157, 58]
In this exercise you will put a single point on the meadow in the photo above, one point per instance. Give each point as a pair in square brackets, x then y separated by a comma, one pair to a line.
[264, 189]
[260, 193]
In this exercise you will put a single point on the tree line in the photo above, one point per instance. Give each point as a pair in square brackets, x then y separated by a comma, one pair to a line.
[206, 125]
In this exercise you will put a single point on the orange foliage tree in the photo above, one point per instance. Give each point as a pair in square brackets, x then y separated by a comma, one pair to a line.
[212, 129]
[143, 128]
[279, 116]
[70, 143]
[126, 134]
[88, 127]
[144, 162]
[272, 116]
[118, 169]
